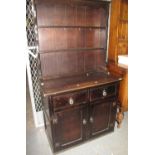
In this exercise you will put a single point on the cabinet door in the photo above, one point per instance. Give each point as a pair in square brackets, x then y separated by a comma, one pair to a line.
[69, 127]
[99, 117]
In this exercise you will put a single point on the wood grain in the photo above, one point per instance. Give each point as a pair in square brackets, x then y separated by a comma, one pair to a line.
[118, 40]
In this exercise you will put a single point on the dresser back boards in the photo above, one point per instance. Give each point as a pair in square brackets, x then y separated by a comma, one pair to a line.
[72, 36]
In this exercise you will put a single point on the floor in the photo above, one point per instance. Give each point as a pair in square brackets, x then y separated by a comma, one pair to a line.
[115, 143]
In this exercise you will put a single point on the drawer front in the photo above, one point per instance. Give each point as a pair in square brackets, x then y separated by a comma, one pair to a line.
[70, 99]
[102, 92]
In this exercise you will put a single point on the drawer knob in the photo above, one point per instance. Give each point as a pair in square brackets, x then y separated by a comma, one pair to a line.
[71, 101]
[104, 93]
[84, 122]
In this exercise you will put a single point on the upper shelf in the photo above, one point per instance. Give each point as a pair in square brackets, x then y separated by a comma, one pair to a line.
[77, 2]
[60, 15]
[60, 38]
[72, 50]
[64, 26]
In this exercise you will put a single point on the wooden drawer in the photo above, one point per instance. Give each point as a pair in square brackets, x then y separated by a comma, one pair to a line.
[70, 99]
[102, 92]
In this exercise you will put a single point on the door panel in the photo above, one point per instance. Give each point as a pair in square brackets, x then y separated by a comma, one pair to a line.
[69, 128]
[99, 117]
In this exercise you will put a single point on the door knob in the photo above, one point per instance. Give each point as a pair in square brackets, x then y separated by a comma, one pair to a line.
[91, 120]
[84, 122]
[71, 101]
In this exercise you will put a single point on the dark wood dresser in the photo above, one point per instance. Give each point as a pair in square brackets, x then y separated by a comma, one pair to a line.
[79, 95]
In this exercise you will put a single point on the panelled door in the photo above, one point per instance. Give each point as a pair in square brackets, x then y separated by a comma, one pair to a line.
[69, 127]
[99, 118]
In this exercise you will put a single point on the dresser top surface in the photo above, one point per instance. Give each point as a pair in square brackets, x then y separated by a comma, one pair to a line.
[62, 85]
